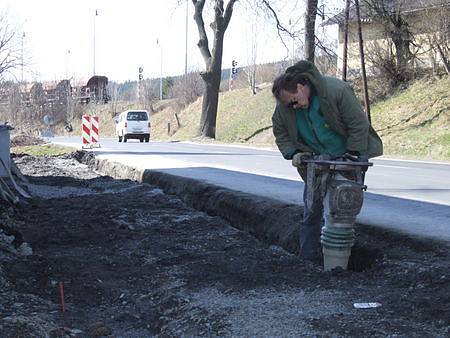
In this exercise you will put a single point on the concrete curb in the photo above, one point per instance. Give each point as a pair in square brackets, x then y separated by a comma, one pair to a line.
[269, 220]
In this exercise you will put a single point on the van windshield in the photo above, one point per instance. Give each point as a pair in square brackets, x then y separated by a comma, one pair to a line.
[137, 116]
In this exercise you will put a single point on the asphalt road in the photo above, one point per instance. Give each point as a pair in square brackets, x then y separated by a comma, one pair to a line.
[411, 196]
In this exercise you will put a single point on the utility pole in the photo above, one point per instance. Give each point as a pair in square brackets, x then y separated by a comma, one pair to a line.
[344, 56]
[67, 63]
[160, 70]
[95, 16]
[23, 36]
[363, 64]
[186, 41]
[140, 86]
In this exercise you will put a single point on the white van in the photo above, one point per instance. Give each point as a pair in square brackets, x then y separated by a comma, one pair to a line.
[133, 124]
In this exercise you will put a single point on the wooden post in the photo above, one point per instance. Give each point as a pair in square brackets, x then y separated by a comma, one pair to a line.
[178, 120]
[344, 52]
[363, 64]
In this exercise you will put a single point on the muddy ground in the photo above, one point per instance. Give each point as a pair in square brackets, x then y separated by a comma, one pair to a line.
[136, 262]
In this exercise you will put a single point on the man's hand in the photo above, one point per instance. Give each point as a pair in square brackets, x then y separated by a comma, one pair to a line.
[356, 157]
[298, 158]
[351, 156]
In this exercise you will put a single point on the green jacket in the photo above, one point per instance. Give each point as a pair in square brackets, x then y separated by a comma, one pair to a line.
[340, 108]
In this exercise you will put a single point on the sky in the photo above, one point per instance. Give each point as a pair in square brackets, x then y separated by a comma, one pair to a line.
[58, 37]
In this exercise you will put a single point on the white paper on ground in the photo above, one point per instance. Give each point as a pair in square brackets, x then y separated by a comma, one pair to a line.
[366, 305]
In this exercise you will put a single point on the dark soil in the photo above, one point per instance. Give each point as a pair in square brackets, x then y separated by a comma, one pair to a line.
[135, 262]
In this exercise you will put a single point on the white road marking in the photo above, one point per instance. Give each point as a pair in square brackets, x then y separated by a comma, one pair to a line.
[392, 166]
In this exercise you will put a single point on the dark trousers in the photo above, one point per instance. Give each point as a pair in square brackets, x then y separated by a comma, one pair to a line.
[312, 222]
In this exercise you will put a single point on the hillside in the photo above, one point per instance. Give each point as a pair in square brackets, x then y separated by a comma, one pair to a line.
[241, 118]
[413, 123]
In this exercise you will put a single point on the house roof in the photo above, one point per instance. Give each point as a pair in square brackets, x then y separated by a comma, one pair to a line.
[402, 6]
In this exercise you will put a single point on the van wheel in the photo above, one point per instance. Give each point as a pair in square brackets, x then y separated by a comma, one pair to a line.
[141, 139]
[120, 138]
[125, 138]
[147, 138]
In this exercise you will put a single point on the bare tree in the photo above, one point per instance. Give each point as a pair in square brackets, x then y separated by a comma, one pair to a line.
[397, 28]
[272, 12]
[212, 59]
[439, 31]
[404, 25]
[187, 89]
[326, 61]
[150, 93]
[10, 56]
[10, 101]
[113, 90]
[311, 40]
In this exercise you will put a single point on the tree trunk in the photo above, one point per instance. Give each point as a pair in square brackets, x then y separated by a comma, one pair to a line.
[251, 77]
[310, 29]
[213, 61]
[254, 80]
[402, 49]
[212, 78]
[210, 104]
[402, 38]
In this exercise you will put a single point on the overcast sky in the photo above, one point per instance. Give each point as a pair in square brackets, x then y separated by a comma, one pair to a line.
[59, 37]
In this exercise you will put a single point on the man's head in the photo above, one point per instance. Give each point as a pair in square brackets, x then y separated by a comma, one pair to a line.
[292, 90]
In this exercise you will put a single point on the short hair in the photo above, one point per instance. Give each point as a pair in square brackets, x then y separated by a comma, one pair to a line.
[288, 81]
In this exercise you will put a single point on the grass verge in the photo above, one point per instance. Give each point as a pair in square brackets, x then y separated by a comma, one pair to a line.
[43, 150]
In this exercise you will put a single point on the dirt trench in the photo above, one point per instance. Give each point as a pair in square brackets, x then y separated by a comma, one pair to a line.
[136, 262]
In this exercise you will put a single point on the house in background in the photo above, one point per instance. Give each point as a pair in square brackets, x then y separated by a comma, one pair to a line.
[425, 31]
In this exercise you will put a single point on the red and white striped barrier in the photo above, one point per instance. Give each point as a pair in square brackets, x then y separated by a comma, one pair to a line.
[94, 129]
[90, 131]
[86, 130]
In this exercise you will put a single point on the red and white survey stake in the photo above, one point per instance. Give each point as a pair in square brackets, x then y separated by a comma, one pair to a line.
[61, 296]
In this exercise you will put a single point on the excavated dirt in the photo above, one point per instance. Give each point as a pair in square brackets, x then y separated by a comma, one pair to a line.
[20, 140]
[135, 262]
